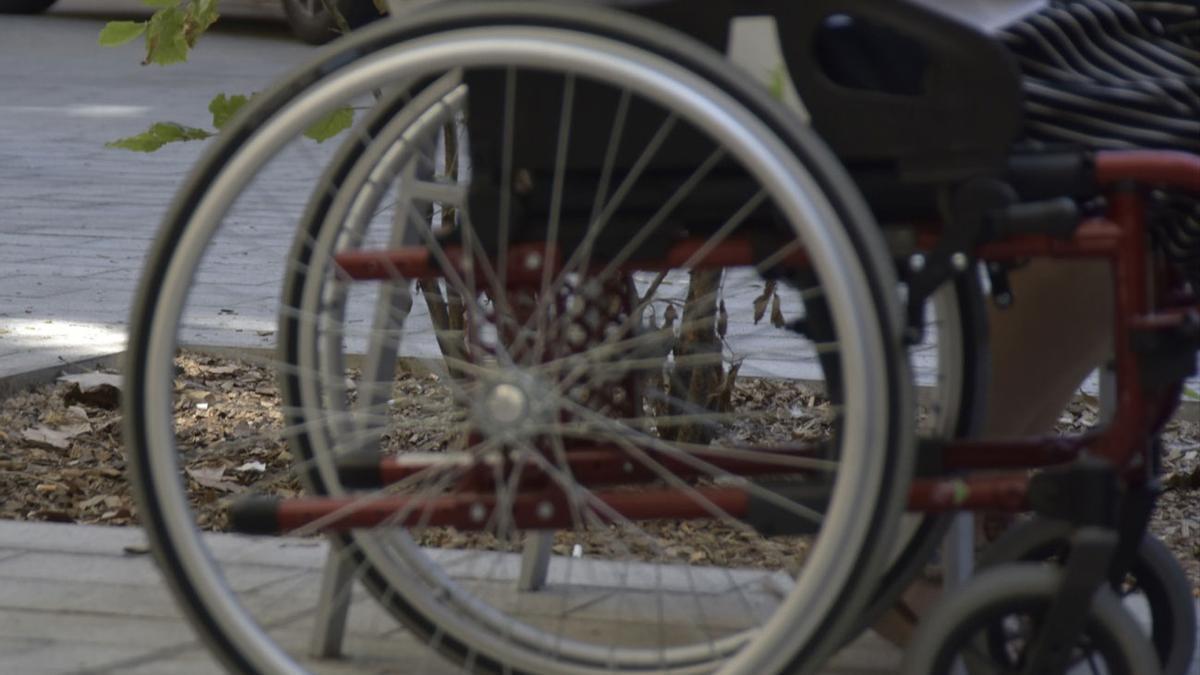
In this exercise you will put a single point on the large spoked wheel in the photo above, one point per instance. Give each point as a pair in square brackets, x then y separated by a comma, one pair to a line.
[989, 625]
[950, 364]
[1155, 580]
[606, 266]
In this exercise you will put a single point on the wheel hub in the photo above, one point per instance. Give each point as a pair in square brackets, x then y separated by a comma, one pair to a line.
[506, 403]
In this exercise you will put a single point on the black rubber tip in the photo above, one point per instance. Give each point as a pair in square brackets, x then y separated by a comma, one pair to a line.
[255, 515]
[360, 471]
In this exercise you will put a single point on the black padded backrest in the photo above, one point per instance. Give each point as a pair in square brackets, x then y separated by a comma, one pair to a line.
[950, 105]
[949, 112]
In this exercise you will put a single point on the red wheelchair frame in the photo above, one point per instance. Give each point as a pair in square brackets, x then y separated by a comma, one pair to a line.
[1149, 306]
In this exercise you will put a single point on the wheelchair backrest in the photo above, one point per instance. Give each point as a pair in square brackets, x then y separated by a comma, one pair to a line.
[908, 98]
[885, 81]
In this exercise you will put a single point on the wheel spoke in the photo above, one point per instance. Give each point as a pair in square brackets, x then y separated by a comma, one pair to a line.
[464, 371]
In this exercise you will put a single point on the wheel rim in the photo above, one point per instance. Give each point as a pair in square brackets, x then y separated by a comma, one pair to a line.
[860, 404]
[986, 627]
[1155, 577]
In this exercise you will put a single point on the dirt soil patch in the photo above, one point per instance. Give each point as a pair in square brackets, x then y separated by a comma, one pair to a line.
[61, 457]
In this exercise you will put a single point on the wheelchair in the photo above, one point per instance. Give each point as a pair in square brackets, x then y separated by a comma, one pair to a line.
[604, 456]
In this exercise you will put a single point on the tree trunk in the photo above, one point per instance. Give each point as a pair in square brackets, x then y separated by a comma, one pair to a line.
[697, 388]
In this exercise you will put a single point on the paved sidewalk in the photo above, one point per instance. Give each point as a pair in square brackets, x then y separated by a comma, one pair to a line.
[73, 600]
[76, 219]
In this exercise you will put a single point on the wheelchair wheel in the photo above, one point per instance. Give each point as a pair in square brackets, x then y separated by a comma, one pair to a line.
[989, 624]
[1155, 580]
[661, 185]
[954, 360]
[950, 363]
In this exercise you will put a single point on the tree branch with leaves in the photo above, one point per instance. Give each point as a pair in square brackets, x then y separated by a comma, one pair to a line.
[170, 34]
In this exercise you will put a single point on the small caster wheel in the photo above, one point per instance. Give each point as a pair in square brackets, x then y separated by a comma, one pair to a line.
[1155, 580]
[987, 627]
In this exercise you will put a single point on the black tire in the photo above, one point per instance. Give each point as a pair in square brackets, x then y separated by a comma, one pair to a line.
[963, 621]
[312, 22]
[1155, 571]
[25, 6]
[877, 515]
[911, 557]
[921, 547]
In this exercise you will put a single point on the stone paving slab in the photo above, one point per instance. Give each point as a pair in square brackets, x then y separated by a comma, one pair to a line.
[72, 601]
[76, 219]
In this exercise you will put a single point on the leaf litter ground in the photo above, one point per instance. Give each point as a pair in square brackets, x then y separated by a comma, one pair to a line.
[61, 458]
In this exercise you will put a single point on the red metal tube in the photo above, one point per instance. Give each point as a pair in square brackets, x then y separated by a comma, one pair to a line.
[416, 262]
[1128, 434]
[1007, 492]
[477, 511]
[408, 262]
[1096, 238]
[1150, 167]
[599, 465]
[1030, 453]
[1164, 319]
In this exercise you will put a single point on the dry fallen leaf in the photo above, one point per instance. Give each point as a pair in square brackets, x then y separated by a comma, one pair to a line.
[777, 319]
[255, 467]
[1183, 480]
[52, 515]
[90, 380]
[77, 412]
[54, 439]
[210, 477]
[99, 390]
[91, 471]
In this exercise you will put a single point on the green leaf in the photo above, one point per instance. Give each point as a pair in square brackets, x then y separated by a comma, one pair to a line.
[158, 135]
[200, 15]
[777, 84]
[331, 125]
[205, 7]
[1188, 392]
[166, 40]
[116, 33]
[223, 108]
[161, 4]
